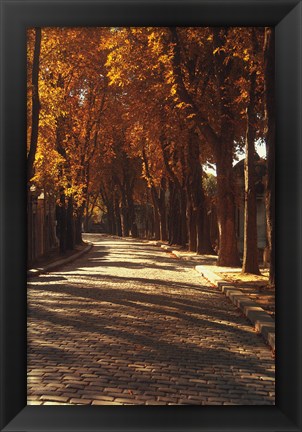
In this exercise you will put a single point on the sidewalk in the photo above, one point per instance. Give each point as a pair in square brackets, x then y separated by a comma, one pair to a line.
[254, 299]
[55, 260]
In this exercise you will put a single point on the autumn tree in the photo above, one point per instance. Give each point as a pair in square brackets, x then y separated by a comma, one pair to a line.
[35, 103]
[72, 104]
[252, 73]
[130, 116]
[269, 82]
[148, 80]
[130, 69]
[219, 136]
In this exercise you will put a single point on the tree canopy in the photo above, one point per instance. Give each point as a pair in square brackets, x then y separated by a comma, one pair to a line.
[131, 117]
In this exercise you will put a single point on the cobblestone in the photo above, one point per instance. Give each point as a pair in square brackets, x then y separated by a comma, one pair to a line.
[127, 324]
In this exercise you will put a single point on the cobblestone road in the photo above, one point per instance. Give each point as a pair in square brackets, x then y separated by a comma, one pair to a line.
[129, 324]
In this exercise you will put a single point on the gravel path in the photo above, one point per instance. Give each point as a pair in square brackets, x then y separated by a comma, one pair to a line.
[130, 324]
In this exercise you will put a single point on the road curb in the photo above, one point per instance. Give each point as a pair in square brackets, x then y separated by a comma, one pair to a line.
[260, 319]
[166, 248]
[49, 267]
[154, 243]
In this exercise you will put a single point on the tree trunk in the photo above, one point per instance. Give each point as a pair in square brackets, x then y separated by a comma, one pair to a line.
[148, 218]
[156, 223]
[162, 210]
[269, 83]
[192, 219]
[174, 215]
[205, 246]
[111, 219]
[222, 144]
[70, 237]
[228, 252]
[131, 212]
[61, 216]
[35, 106]
[88, 214]
[183, 220]
[125, 223]
[78, 226]
[197, 197]
[250, 251]
[86, 211]
[117, 217]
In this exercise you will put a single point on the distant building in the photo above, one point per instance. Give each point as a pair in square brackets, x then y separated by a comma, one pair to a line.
[260, 169]
[41, 225]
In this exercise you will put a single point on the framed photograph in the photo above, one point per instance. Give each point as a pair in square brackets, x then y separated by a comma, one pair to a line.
[97, 87]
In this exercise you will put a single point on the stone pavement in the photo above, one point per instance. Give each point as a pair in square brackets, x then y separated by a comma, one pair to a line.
[129, 324]
[248, 297]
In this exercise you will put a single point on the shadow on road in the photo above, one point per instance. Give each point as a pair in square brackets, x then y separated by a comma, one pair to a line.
[109, 323]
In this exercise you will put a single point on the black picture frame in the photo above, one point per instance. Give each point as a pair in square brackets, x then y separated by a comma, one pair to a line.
[16, 16]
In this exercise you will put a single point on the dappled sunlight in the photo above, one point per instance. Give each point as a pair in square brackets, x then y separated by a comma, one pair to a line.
[105, 329]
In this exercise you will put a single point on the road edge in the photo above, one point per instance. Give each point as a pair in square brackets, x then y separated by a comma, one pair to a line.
[49, 267]
[261, 320]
